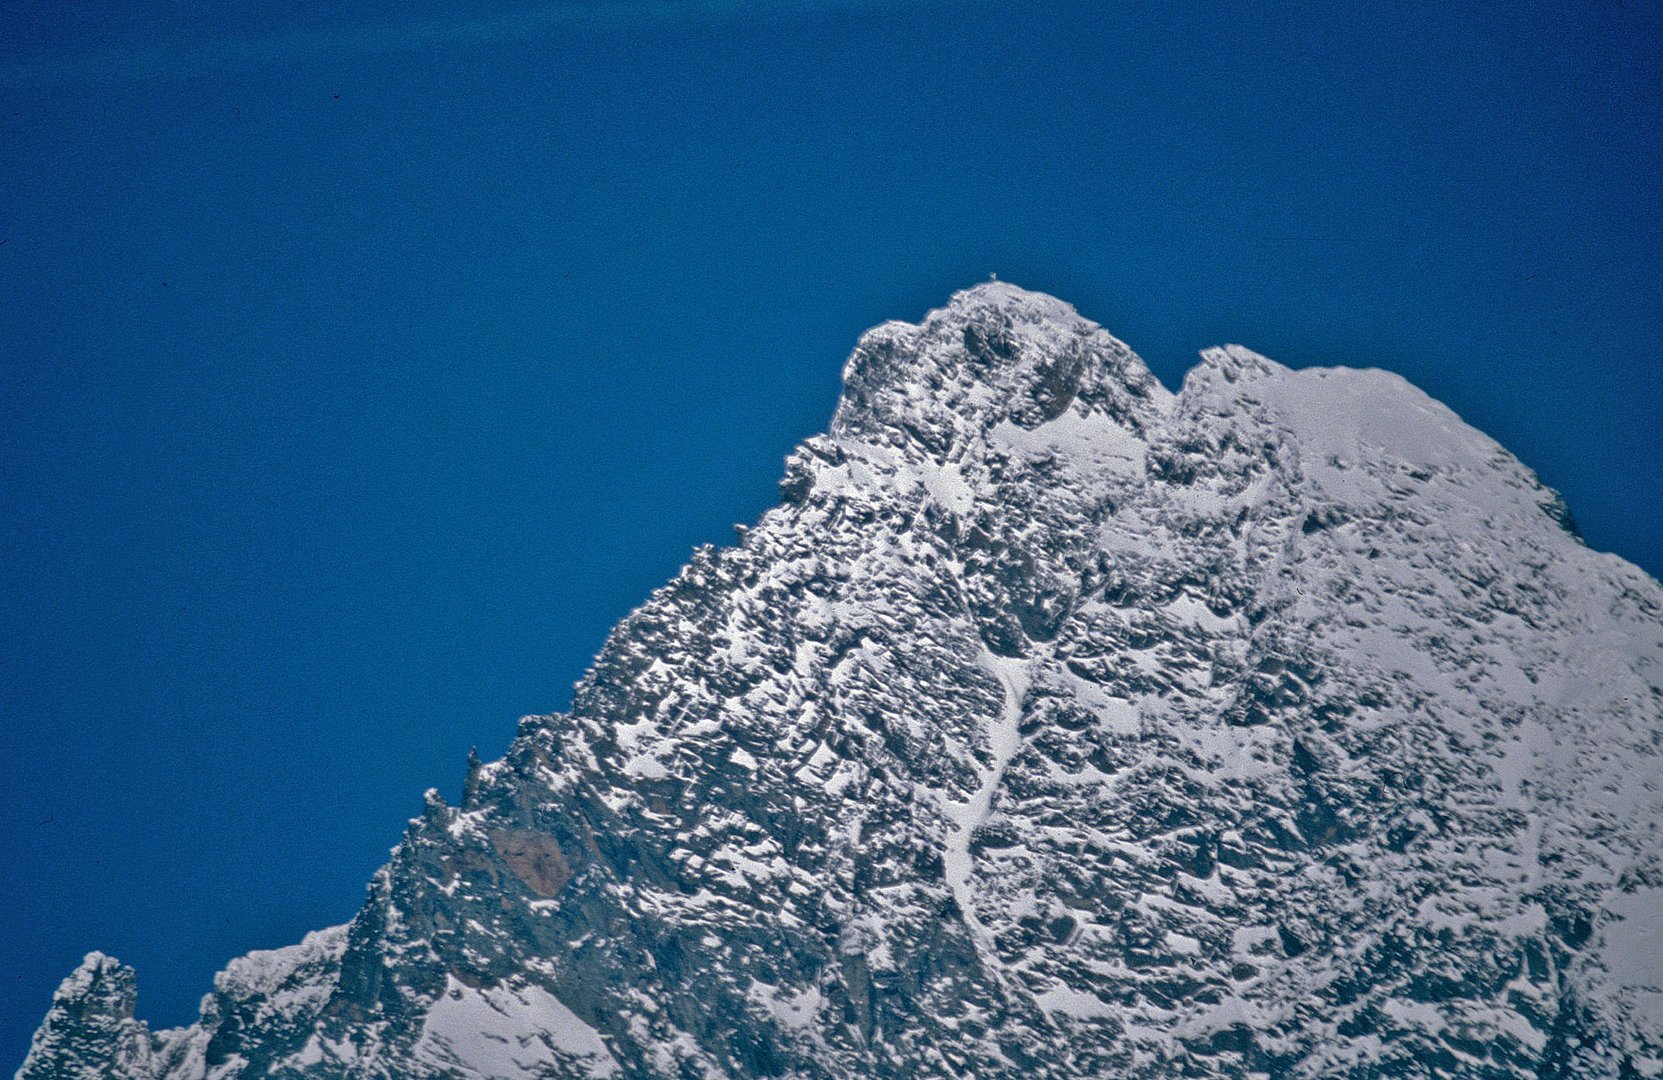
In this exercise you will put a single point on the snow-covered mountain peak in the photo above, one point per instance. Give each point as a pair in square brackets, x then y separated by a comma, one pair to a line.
[1362, 437]
[1053, 726]
[103, 983]
[995, 353]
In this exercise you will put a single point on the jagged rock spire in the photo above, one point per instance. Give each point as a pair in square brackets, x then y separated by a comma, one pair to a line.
[89, 1032]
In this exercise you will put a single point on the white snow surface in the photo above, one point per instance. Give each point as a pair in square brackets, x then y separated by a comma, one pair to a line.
[509, 1033]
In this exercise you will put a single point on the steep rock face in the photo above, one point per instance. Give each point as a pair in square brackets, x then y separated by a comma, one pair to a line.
[1054, 724]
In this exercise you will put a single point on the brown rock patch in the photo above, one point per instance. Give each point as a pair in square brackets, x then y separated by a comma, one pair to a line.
[535, 858]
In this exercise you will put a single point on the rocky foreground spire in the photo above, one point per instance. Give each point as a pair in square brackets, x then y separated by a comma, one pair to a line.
[90, 1031]
[1053, 725]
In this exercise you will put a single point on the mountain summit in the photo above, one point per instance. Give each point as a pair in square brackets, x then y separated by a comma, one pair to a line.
[1053, 725]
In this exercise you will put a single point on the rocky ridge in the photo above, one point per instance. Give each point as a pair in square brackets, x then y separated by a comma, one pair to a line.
[1055, 724]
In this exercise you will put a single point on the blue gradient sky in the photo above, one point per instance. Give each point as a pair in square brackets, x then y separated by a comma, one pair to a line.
[356, 376]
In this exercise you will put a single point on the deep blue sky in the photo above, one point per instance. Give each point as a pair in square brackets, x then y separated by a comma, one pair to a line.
[356, 376]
